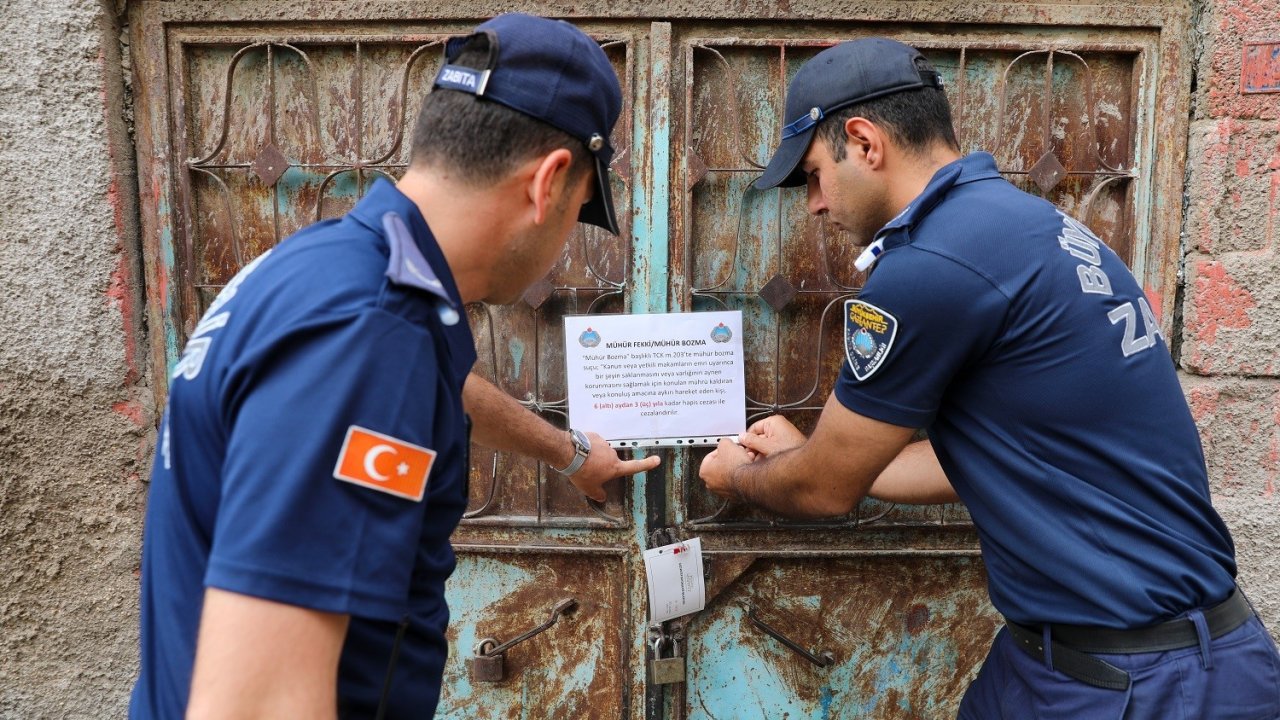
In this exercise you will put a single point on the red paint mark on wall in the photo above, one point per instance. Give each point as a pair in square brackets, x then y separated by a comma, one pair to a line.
[1260, 68]
[131, 409]
[1219, 303]
[122, 299]
[1204, 403]
[118, 287]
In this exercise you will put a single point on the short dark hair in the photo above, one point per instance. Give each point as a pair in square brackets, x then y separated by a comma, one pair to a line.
[914, 119]
[480, 140]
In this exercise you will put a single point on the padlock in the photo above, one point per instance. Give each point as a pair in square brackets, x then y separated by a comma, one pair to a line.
[667, 670]
[485, 667]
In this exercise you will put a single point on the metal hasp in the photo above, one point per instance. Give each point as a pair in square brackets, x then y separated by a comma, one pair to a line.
[824, 658]
[488, 664]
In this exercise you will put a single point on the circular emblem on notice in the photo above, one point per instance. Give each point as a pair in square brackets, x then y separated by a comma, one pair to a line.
[815, 114]
[863, 343]
[595, 143]
[589, 338]
[721, 334]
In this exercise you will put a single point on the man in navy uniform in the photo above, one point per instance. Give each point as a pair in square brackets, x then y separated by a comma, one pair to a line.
[312, 460]
[1031, 355]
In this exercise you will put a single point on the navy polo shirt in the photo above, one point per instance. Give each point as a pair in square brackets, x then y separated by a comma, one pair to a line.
[313, 452]
[1029, 352]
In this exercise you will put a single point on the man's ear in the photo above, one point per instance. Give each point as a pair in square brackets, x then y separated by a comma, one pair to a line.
[549, 180]
[864, 139]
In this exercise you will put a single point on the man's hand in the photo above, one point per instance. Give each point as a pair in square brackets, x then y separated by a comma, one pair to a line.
[717, 468]
[603, 464]
[824, 476]
[500, 422]
[773, 434]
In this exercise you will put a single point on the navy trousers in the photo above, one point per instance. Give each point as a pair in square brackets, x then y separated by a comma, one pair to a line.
[1235, 677]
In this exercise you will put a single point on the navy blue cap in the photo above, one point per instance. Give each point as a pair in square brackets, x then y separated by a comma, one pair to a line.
[550, 71]
[842, 75]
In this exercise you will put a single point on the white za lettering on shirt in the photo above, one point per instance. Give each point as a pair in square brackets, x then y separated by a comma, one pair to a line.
[1082, 244]
[197, 348]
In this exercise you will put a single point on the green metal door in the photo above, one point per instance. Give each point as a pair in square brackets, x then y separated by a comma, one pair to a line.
[254, 119]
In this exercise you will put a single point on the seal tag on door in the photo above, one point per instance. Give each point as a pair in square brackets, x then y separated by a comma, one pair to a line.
[676, 586]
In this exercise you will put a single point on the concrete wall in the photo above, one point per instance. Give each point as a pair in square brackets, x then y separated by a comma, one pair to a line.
[76, 426]
[74, 435]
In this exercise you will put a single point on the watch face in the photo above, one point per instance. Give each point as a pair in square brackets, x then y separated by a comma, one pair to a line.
[580, 438]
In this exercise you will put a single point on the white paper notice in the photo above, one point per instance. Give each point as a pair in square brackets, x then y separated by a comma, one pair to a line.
[675, 580]
[672, 375]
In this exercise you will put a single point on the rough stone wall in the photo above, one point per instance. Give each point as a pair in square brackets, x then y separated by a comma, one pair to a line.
[1230, 344]
[74, 424]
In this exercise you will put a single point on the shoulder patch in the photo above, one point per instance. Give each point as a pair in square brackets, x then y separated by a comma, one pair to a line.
[406, 265]
[383, 463]
[868, 337]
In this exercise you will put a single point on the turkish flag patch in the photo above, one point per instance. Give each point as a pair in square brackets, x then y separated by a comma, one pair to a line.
[383, 463]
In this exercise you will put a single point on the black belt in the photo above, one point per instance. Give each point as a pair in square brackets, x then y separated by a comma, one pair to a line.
[1071, 644]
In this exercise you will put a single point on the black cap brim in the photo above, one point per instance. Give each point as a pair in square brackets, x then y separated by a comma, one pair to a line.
[598, 210]
[783, 169]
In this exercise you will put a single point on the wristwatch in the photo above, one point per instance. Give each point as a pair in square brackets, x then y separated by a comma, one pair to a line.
[581, 449]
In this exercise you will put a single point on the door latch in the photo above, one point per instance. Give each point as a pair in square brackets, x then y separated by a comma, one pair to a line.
[821, 658]
[488, 663]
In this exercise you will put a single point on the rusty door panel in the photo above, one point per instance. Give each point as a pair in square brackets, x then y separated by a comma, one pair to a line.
[906, 636]
[281, 133]
[276, 127]
[1059, 118]
[577, 668]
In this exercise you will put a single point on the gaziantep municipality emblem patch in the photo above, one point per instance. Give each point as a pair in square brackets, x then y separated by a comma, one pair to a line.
[868, 337]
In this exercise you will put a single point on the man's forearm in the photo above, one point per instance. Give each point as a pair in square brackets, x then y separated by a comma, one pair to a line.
[914, 477]
[500, 422]
[788, 484]
[825, 476]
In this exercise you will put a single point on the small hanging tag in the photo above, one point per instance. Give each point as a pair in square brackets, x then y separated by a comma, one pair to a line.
[676, 586]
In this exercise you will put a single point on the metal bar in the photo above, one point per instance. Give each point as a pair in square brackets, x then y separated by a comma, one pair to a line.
[958, 105]
[400, 12]
[822, 659]
[921, 43]
[651, 272]
[401, 106]
[359, 128]
[848, 553]
[563, 607]
[1047, 135]
[236, 250]
[226, 103]
[707, 524]
[650, 246]
[539, 549]
[1003, 172]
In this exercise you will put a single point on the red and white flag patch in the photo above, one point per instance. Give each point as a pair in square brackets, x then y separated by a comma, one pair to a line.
[383, 463]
